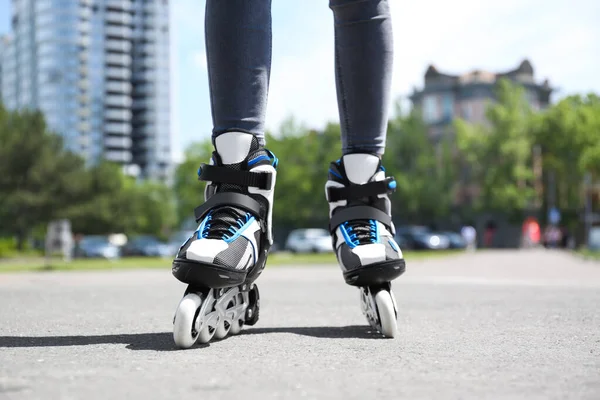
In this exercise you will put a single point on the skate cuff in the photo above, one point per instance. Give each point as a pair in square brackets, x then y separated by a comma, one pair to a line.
[358, 212]
[231, 199]
[356, 192]
[217, 174]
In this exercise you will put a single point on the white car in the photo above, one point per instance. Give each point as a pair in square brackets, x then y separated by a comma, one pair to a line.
[309, 241]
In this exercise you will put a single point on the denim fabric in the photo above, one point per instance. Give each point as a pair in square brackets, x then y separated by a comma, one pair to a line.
[239, 46]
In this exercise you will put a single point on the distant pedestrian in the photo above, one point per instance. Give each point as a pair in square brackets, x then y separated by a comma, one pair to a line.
[469, 234]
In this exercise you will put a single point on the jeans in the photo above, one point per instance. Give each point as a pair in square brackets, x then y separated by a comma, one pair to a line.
[239, 47]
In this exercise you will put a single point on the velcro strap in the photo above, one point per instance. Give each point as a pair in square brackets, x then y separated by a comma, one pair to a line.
[238, 200]
[217, 174]
[358, 212]
[356, 192]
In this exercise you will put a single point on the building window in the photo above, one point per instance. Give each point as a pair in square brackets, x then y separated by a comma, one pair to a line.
[467, 111]
[448, 104]
[430, 108]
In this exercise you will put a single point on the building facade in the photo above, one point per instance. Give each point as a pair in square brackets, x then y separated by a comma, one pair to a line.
[445, 97]
[99, 71]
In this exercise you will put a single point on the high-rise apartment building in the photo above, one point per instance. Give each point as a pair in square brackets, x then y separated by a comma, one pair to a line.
[99, 71]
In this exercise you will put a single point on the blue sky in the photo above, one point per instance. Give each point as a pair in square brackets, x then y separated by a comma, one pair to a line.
[560, 37]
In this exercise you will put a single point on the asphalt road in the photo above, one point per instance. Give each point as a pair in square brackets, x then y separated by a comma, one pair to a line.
[494, 325]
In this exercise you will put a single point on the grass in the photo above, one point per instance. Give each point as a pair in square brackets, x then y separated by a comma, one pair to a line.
[33, 264]
[589, 254]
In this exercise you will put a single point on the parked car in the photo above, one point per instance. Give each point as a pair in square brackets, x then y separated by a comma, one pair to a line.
[96, 246]
[456, 240]
[421, 238]
[309, 240]
[177, 240]
[147, 246]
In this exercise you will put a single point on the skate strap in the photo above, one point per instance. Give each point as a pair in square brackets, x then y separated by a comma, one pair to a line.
[217, 174]
[231, 199]
[358, 212]
[356, 192]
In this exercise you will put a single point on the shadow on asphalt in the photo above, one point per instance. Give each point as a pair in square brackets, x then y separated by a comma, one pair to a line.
[324, 332]
[163, 341]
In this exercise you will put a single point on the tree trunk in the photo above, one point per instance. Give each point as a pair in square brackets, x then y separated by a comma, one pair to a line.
[21, 238]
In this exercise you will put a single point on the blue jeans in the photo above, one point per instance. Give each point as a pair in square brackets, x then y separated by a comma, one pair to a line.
[238, 48]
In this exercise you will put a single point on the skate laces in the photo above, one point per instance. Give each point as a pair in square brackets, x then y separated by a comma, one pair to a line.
[224, 222]
[360, 232]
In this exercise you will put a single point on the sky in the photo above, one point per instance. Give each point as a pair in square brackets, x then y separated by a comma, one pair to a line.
[560, 37]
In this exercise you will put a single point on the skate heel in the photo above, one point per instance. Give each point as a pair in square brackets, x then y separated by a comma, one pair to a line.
[376, 274]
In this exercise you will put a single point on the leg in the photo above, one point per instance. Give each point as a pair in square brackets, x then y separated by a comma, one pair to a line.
[238, 52]
[357, 189]
[228, 251]
[363, 69]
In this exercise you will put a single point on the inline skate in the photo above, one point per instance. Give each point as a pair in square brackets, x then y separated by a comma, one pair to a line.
[362, 235]
[227, 253]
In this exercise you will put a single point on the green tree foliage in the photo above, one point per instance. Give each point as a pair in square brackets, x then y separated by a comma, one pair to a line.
[117, 203]
[498, 153]
[425, 171]
[41, 181]
[189, 191]
[38, 177]
[569, 136]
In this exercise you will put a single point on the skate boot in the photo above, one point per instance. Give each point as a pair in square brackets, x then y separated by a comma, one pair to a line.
[228, 251]
[363, 234]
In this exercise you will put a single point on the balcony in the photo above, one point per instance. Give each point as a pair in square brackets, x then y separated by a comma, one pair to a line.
[85, 13]
[143, 103]
[119, 5]
[84, 27]
[119, 32]
[118, 87]
[117, 142]
[116, 128]
[147, 76]
[84, 112]
[150, 8]
[118, 73]
[115, 17]
[118, 60]
[84, 41]
[117, 115]
[117, 101]
[118, 45]
[84, 127]
[122, 156]
[143, 89]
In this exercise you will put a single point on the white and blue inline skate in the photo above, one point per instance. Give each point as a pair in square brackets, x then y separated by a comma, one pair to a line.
[363, 235]
[228, 251]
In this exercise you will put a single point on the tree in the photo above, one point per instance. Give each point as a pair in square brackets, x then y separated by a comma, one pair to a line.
[39, 178]
[498, 153]
[189, 191]
[569, 135]
[425, 171]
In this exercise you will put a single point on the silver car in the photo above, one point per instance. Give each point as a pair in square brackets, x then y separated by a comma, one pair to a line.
[309, 241]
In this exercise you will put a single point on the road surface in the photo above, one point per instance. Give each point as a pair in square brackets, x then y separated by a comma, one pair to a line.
[493, 325]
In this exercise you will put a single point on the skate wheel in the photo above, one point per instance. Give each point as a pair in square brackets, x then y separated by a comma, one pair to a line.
[236, 328]
[184, 324]
[387, 313]
[222, 329]
[206, 335]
